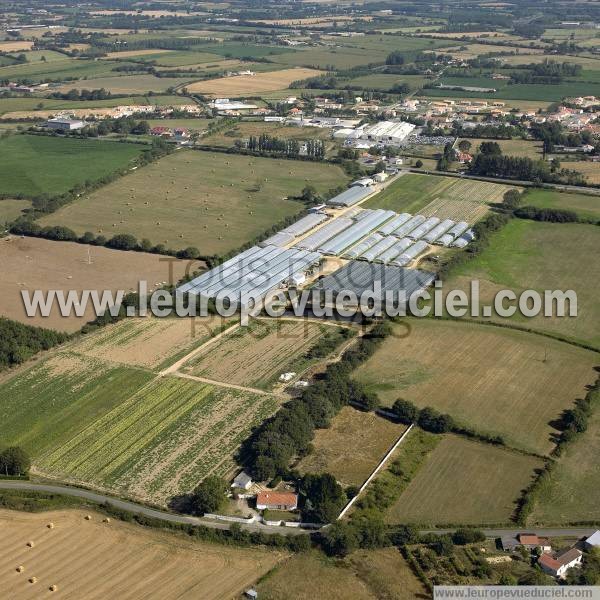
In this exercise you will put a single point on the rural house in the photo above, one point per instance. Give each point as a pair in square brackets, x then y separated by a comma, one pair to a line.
[593, 541]
[531, 541]
[276, 501]
[559, 565]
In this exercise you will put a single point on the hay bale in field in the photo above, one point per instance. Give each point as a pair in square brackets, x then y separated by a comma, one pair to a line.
[32, 579]
[20, 569]
[106, 520]
[51, 525]
[88, 517]
[53, 588]
[31, 544]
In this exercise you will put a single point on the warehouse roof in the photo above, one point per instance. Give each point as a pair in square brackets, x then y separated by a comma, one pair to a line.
[351, 196]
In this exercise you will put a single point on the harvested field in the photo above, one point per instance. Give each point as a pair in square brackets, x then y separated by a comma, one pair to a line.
[465, 482]
[591, 170]
[312, 575]
[560, 500]
[15, 46]
[38, 264]
[516, 147]
[127, 84]
[150, 342]
[499, 381]
[527, 255]
[366, 436]
[34, 165]
[444, 197]
[160, 441]
[258, 354]
[250, 85]
[11, 209]
[474, 50]
[190, 198]
[92, 559]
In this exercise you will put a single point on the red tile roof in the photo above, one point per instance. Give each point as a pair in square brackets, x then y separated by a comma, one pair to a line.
[277, 498]
[551, 563]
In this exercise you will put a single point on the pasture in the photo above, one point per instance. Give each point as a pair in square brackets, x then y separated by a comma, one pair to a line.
[88, 558]
[59, 70]
[465, 482]
[250, 85]
[368, 435]
[560, 500]
[258, 354]
[191, 198]
[495, 380]
[585, 205]
[35, 165]
[12, 209]
[541, 256]
[30, 264]
[516, 147]
[443, 197]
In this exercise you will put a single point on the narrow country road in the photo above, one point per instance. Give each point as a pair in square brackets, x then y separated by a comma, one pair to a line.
[139, 509]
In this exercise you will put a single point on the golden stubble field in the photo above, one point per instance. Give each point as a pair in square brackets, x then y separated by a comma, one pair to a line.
[38, 264]
[97, 560]
[250, 85]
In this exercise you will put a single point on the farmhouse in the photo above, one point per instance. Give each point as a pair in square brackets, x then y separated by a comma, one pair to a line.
[528, 540]
[64, 124]
[559, 565]
[276, 501]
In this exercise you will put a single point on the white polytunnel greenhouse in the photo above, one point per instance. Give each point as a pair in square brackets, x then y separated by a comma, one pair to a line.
[409, 226]
[393, 224]
[314, 240]
[374, 251]
[395, 250]
[425, 227]
[438, 230]
[363, 245]
[410, 254]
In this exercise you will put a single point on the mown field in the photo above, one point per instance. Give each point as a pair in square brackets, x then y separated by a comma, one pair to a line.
[255, 356]
[516, 147]
[213, 201]
[370, 437]
[90, 558]
[35, 165]
[250, 85]
[498, 381]
[465, 482]
[585, 205]
[444, 197]
[30, 264]
[11, 209]
[589, 169]
[541, 256]
[126, 84]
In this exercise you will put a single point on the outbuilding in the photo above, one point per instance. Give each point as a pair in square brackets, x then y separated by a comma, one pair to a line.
[593, 541]
[65, 124]
[243, 481]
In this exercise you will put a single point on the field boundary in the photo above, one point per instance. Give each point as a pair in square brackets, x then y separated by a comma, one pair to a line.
[375, 471]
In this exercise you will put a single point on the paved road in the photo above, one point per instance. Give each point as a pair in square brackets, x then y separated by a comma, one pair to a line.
[139, 509]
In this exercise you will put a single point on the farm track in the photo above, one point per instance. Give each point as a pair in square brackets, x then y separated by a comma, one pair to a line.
[232, 386]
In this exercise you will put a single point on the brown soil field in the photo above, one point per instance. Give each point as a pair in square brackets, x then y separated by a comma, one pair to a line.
[96, 560]
[150, 342]
[497, 380]
[38, 264]
[364, 436]
[256, 355]
[462, 481]
[15, 46]
[250, 85]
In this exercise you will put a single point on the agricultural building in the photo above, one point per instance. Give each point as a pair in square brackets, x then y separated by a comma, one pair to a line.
[351, 196]
[249, 277]
[360, 277]
[64, 124]
[391, 133]
[559, 565]
[243, 481]
[314, 240]
[410, 254]
[276, 501]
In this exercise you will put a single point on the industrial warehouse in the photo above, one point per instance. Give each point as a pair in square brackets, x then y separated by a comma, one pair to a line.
[371, 246]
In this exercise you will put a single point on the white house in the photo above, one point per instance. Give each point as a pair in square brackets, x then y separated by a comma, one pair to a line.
[243, 481]
[593, 541]
[559, 565]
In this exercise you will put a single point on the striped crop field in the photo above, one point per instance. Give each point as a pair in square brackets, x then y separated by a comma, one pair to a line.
[161, 441]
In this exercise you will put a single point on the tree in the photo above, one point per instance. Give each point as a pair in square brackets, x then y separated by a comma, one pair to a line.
[507, 579]
[209, 496]
[461, 537]
[339, 540]
[405, 411]
[324, 497]
[123, 241]
[309, 194]
[490, 148]
[512, 199]
[464, 145]
[419, 164]
[14, 461]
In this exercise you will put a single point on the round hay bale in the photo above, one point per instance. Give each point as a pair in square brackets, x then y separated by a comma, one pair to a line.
[51, 525]
[106, 520]
[20, 569]
[31, 544]
[88, 517]
[53, 588]
[32, 579]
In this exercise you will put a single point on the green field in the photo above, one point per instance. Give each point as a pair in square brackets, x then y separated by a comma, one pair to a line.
[383, 81]
[541, 256]
[11, 209]
[495, 380]
[465, 482]
[216, 202]
[21, 104]
[34, 165]
[561, 499]
[445, 197]
[585, 205]
[127, 84]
